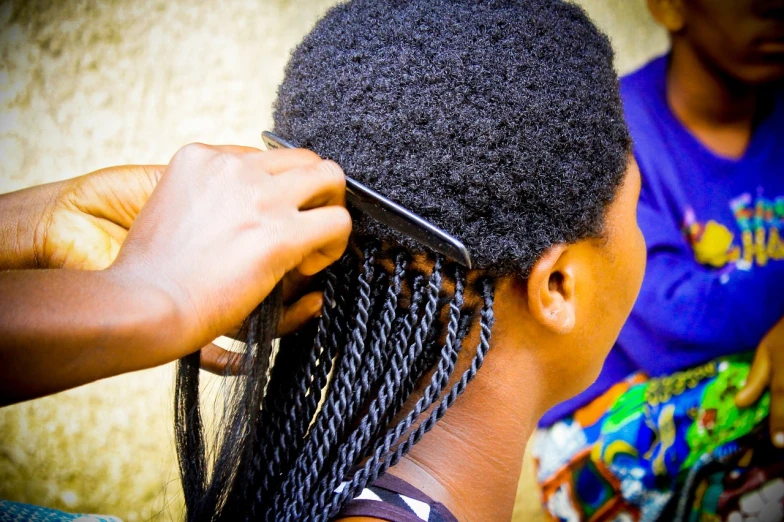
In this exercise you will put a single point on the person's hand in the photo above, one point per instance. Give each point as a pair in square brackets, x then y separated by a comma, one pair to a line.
[81, 223]
[77, 223]
[299, 307]
[225, 224]
[89, 217]
[767, 371]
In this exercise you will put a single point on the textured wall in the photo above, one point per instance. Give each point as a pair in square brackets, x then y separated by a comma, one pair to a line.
[87, 84]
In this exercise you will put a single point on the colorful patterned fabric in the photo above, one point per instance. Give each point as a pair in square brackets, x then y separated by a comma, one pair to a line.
[17, 512]
[673, 447]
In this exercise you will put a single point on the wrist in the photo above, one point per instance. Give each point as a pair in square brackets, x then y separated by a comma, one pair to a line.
[23, 223]
[161, 313]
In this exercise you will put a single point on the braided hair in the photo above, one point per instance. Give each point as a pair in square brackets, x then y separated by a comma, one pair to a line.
[303, 462]
[499, 121]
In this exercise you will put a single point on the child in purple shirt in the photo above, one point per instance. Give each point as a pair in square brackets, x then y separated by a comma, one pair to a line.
[708, 124]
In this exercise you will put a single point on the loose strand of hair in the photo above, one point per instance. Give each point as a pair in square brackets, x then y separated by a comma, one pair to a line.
[208, 494]
[189, 431]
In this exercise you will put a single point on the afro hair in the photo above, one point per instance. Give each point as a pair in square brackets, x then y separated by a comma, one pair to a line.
[498, 120]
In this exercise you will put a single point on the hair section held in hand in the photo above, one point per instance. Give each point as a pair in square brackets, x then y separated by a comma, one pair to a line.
[288, 452]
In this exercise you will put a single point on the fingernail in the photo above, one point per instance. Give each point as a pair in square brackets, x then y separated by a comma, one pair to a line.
[316, 306]
[778, 439]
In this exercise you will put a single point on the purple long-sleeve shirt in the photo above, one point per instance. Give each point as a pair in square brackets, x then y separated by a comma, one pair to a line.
[714, 284]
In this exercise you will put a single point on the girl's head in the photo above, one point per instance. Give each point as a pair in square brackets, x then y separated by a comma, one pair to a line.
[499, 121]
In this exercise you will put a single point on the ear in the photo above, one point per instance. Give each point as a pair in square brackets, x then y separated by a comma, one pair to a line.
[551, 290]
[669, 13]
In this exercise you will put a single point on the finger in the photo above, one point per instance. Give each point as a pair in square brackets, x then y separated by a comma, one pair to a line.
[235, 149]
[315, 185]
[300, 312]
[295, 285]
[776, 358]
[757, 380]
[215, 359]
[322, 237]
[777, 407]
[282, 160]
[117, 194]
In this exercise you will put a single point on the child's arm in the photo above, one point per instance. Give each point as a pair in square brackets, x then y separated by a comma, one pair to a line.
[688, 313]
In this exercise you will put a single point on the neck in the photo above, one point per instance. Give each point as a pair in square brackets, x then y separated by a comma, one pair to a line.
[471, 460]
[719, 110]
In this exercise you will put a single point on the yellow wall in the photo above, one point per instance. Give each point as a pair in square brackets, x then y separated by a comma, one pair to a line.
[87, 84]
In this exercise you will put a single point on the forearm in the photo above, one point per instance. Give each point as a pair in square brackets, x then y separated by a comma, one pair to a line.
[694, 304]
[683, 318]
[64, 328]
[20, 225]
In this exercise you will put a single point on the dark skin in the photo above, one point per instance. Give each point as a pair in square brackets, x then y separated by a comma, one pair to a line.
[213, 233]
[549, 341]
[727, 57]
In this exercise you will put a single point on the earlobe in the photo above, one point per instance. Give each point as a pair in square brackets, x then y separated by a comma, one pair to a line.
[551, 291]
[668, 13]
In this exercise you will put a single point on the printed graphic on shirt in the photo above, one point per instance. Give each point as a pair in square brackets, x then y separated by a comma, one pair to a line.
[760, 221]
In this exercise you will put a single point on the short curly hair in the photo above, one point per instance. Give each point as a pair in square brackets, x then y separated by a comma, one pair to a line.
[508, 133]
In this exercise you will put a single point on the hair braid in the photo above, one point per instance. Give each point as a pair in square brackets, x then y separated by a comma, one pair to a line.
[375, 466]
[401, 338]
[373, 366]
[310, 383]
[278, 427]
[354, 448]
[331, 418]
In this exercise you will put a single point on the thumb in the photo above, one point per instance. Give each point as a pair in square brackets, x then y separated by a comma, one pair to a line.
[220, 361]
[117, 194]
[757, 380]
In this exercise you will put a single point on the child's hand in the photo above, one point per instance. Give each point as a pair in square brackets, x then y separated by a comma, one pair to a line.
[767, 370]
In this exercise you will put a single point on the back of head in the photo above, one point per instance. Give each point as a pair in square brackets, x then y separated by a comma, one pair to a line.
[500, 122]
